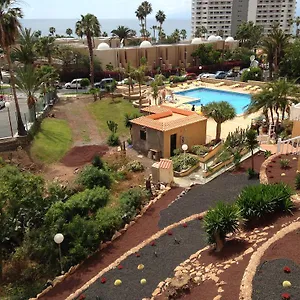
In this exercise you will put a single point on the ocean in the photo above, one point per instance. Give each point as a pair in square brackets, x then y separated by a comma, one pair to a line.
[106, 25]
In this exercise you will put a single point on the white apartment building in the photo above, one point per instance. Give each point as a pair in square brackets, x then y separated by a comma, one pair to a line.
[226, 15]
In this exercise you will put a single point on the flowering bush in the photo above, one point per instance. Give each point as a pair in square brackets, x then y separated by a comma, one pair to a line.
[286, 296]
[103, 280]
[137, 254]
[184, 225]
[82, 297]
[287, 270]
[170, 232]
[120, 267]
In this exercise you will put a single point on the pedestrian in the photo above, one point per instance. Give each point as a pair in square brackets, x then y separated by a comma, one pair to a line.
[193, 107]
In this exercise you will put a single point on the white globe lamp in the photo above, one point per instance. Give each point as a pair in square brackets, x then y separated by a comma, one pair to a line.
[59, 238]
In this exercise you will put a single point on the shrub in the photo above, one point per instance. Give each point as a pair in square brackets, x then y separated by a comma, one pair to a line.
[297, 181]
[132, 200]
[85, 82]
[199, 150]
[258, 200]
[237, 159]
[113, 140]
[223, 156]
[284, 163]
[177, 151]
[97, 162]
[267, 154]
[220, 221]
[91, 177]
[252, 174]
[182, 161]
[135, 166]
[129, 141]
[252, 74]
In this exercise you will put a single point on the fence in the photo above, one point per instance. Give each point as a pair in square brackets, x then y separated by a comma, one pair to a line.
[289, 146]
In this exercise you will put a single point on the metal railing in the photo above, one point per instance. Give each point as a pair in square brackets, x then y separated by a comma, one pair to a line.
[289, 146]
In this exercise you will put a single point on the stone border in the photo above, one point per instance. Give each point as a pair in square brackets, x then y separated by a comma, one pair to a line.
[263, 169]
[133, 250]
[246, 284]
[60, 278]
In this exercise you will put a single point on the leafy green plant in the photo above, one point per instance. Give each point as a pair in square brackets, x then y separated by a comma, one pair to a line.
[91, 177]
[84, 83]
[236, 139]
[297, 181]
[112, 126]
[267, 154]
[223, 156]
[97, 162]
[184, 161]
[113, 140]
[135, 166]
[129, 141]
[252, 174]
[199, 150]
[177, 151]
[237, 159]
[220, 221]
[258, 200]
[284, 163]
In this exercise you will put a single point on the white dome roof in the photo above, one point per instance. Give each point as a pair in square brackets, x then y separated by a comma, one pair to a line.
[196, 41]
[145, 44]
[212, 38]
[229, 39]
[103, 46]
[219, 38]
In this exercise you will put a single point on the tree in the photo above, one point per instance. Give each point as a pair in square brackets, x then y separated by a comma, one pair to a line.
[29, 82]
[183, 34]
[268, 46]
[249, 34]
[26, 52]
[297, 22]
[176, 35]
[69, 32]
[154, 28]
[9, 25]
[160, 18]
[122, 32]
[127, 121]
[46, 47]
[90, 27]
[200, 31]
[290, 63]
[220, 112]
[254, 73]
[129, 73]
[52, 30]
[104, 34]
[251, 143]
[140, 15]
[206, 55]
[220, 221]
[139, 75]
[155, 90]
[37, 33]
[147, 10]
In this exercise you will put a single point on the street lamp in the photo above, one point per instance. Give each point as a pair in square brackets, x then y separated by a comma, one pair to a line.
[7, 105]
[58, 239]
[184, 147]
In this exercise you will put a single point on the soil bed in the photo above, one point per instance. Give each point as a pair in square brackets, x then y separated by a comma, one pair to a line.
[274, 170]
[79, 156]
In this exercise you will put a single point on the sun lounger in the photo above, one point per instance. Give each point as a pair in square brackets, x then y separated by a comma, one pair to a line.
[248, 87]
[235, 86]
[220, 83]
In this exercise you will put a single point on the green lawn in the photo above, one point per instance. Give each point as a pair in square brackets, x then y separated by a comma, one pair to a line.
[105, 110]
[52, 141]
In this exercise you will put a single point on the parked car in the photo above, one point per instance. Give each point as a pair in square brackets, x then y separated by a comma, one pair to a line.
[207, 75]
[75, 83]
[57, 84]
[126, 81]
[104, 83]
[2, 102]
[220, 75]
[243, 70]
[231, 73]
[190, 76]
[148, 80]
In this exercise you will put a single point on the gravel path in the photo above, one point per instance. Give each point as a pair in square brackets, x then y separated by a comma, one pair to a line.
[200, 198]
[267, 283]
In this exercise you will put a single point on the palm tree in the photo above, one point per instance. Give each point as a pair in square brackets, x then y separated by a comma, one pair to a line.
[139, 75]
[297, 22]
[160, 18]
[29, 83]
[37, 33]
[122, 32]
[200, 31]
[90, 27]
[154, 28]
[147, 10]
[140, 15]
[46, 47]
[267, 46]
[220, 112]
[220, 221]
[155, 89]
[9, 25]
[251, 143]
[52, 30]
[69, 32]
[183, 34]
[127, 121]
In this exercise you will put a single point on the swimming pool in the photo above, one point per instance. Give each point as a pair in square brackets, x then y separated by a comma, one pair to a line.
[205, 95]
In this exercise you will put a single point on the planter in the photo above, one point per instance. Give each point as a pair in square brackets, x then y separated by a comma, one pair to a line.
[215, 149]
[186, 172]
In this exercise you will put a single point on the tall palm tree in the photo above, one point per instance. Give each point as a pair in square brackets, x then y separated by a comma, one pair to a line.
[147, 10]
[268, 46]
[37, 33]
[52, 30]
[26, 52]
[122, 32]
[90, 27]
[154, 28]
[183, 34]
[10, 14]
[139, 75]
[200, 31]
[29, 82]
[220, 112]
[139, 13]
[160, 18]
[69, 32]
[46, 47]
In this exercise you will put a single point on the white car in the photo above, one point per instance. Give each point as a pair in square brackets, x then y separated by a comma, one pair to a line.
[207, 75]
[75, 83]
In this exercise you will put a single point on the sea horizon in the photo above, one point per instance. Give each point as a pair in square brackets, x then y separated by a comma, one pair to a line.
[107, 25]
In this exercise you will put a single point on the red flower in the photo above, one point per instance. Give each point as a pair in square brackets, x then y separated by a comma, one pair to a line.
[170, 233]
[286, 296]
[184, 225]
[120, 267]
[82, 297]
[103, 280]
[137, 255]
[153, 243]
[287, 270]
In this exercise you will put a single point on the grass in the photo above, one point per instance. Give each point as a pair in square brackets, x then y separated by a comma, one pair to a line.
[105, 110]
[52, 141]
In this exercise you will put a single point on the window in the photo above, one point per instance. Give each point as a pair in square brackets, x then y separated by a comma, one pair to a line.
[143, 135]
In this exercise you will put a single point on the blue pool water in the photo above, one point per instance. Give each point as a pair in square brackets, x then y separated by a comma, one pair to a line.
[205, 95]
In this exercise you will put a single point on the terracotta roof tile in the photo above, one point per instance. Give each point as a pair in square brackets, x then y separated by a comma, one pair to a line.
[155, 109]
[165, 164]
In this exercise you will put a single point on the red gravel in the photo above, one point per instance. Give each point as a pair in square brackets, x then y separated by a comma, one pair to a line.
[144, 228]
[79, 156]
[246, 164]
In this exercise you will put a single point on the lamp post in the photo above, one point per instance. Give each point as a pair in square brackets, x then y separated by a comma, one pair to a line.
[58, 239]
[7, 105]
[185, 58]
[184, 147]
